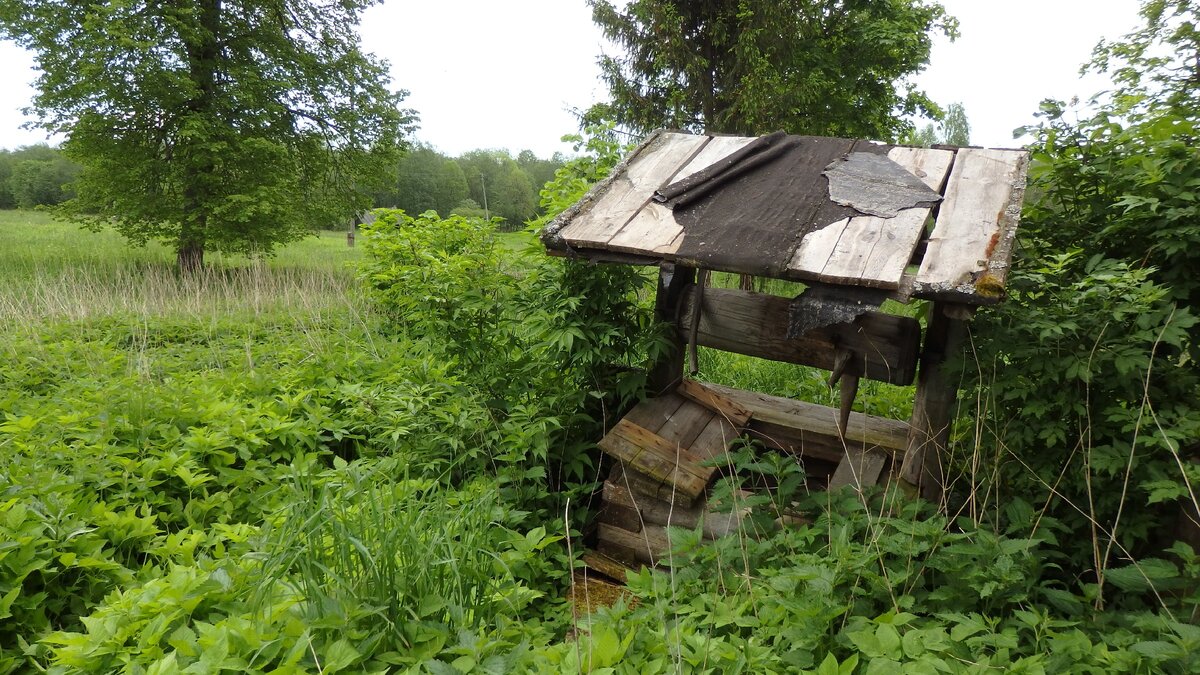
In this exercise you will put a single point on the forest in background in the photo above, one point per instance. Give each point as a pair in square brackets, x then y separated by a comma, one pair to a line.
[482, 183]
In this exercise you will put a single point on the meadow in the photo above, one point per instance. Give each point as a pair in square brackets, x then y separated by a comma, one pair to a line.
[380, 459]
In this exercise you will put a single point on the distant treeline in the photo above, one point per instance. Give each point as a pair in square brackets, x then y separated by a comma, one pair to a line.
[478, 183]
[35, 175]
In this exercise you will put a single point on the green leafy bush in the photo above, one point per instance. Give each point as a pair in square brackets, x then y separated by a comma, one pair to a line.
[1087, 380]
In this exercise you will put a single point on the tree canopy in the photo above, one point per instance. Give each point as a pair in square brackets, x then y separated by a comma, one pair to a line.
[229, 125]
[954, 129]
[827, 67]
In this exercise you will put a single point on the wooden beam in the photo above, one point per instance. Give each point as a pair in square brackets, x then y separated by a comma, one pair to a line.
[859, 468]
[885, 346]
[673, 281]
[650, 546]
[793, 421]
[652, 511]
[933, 408]
[711, 399]
[662, 460]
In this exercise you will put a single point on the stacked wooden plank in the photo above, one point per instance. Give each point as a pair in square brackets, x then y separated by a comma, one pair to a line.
[665, 449]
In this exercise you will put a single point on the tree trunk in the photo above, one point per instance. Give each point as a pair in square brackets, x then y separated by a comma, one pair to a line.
[189, 257]
[203, 54]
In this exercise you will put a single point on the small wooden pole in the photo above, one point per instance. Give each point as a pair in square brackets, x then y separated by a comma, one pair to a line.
[933, 409]
[354, 223]
[673, 280]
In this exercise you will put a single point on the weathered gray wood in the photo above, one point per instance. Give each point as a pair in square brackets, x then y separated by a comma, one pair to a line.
[718, 148]
[653, 228]
[714, 439]
[653, 511]
[755, 324]
[606, 565]
[867, 250]
[686, 424]
[817, 420]
[652, 413]
[712, 400]
[859, 468]
[639, 483]
[968, 251]
[656, 457]
[651, 546]
[933, 408]
[655, 165]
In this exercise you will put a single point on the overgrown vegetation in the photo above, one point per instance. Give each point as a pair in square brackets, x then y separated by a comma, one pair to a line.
[379, 459]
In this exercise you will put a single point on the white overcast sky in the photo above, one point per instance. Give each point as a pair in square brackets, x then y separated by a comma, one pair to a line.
[505, 74]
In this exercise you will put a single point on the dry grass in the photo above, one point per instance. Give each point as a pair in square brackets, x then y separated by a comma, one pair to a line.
[52, 270]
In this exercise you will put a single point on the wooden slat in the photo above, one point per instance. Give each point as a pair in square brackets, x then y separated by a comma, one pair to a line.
[651, 546]
[713, 401]
[872, 251]
[652, 413]
[651, 230]
[755, 324]
[818, 419]
[654, 229]
[686, 424]
[715, 438]
[972, 238]
[655, 165]
[652, 455]
[859, 468]
[655, 511]
[641, 484]
[717, 149]
[608, 566]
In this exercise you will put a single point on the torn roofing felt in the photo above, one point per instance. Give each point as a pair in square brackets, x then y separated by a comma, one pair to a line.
[751, 209]
[874, 184]
[821, 306]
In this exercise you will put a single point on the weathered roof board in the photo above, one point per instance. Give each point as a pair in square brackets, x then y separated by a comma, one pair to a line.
[966, 259]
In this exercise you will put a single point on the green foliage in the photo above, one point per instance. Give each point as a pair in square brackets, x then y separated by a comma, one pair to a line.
[954, 129]
[752, 66]
[1088, 374]
[551, 345]
[212, 125]
[425, 181]
[872, 586]
[35, 175]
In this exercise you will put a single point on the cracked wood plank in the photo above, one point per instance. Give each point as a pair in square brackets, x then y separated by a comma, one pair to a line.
[654, 165]
[654, 228]
[968, 254]
[868, 250]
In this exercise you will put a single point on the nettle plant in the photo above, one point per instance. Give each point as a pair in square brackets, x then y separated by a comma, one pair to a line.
[1088, 378]
[555, 347]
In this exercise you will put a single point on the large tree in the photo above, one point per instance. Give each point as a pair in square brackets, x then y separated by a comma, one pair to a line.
[230, 125]
[835, 67]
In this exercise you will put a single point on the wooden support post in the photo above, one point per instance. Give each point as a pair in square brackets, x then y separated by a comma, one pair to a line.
[933, 409]
[673, 280]
[354, 223]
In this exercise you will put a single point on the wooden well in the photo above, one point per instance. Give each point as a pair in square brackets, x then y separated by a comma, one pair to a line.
[830, 213]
